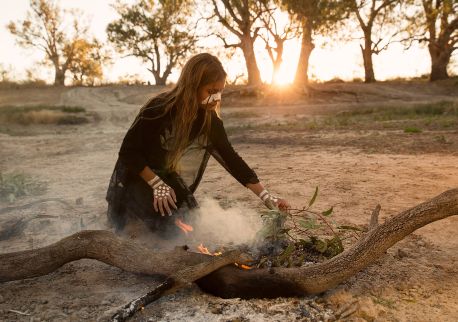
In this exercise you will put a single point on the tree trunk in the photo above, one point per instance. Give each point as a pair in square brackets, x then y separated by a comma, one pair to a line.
[229, 281]
[440, 57]
[369, 76]
[254, 76]
[307, 46]
[59, 77]
[160, 80]
[277, 60]
[157, 76]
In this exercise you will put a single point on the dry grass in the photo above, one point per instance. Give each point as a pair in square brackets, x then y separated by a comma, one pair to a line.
[28, 115]
[411, 119]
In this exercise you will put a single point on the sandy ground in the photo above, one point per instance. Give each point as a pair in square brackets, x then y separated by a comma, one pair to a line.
[355, 170]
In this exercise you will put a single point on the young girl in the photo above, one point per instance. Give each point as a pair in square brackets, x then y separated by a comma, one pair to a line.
[165, 152]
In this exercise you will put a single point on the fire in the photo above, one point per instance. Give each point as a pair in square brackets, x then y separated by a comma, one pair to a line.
[201, 248]
[184, 227]
[204, 250]
[243, 266]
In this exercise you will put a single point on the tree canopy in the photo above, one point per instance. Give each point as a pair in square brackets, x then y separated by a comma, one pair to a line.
[44, 29]
[157, 31]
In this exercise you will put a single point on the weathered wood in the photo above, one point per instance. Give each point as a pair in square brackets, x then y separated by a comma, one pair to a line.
[106, 247]
[374, 217]
[179, 279]
[128, 310]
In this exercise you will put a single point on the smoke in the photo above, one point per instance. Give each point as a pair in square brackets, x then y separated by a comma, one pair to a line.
[46, 222]
[213, 226]
[217, 226]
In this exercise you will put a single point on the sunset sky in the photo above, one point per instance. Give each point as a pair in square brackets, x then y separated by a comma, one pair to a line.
[336, 59]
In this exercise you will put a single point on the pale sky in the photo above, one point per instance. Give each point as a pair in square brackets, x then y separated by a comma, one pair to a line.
[342, 60]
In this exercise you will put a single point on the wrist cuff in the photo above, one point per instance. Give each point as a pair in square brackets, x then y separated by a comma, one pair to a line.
[264, 195]
[155, 182]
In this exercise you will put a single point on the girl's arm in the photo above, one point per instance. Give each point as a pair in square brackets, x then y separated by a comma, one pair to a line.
[224, 153]
[257, 188]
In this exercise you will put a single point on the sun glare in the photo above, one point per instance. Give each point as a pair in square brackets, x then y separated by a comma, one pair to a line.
[283, 77]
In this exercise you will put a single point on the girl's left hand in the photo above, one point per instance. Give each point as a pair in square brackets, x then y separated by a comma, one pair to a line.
[282, 204]
[273, 202]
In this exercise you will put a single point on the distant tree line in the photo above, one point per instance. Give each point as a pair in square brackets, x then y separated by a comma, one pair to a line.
[164, 33]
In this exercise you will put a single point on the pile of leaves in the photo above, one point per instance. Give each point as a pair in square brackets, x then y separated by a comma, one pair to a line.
[298, 237]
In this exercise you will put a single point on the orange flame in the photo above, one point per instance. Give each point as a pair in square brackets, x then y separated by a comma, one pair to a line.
[184, 227]
[204, 250]
[243, 266]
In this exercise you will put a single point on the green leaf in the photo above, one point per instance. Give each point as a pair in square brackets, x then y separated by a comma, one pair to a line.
[309, 224]
[335, 247]
[312, 201]
[346, 227]
[286, 253]
[328, 212]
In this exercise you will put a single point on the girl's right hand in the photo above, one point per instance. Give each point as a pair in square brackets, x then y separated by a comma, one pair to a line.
[163, 195]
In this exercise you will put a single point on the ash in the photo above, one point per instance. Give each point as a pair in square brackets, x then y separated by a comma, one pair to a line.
[192, 304]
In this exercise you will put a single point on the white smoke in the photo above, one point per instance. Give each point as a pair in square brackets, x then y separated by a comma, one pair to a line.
[235, 225]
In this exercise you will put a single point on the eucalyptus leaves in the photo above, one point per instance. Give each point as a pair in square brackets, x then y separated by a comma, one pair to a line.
[298, 236]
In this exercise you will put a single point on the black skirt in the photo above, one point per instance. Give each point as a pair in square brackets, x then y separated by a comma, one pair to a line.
[131, 197]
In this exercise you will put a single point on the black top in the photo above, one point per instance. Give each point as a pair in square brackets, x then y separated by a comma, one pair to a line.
[145, 144]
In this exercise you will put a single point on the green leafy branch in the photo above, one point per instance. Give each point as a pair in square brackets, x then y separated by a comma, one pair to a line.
[300, 230]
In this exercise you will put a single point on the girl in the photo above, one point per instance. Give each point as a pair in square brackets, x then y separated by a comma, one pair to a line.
[165, 152]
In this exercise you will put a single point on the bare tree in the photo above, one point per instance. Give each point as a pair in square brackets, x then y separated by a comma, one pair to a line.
[45, 30]
[241, 18]
[313, 16]
[373, 17]
[434, 22]
[156, 31]
[278, 35]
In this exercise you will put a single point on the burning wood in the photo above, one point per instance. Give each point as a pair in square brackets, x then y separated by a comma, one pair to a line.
[243, 266]
[204, 250]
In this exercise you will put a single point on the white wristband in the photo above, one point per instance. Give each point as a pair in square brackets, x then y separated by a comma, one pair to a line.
[264, 195]
[153, 183]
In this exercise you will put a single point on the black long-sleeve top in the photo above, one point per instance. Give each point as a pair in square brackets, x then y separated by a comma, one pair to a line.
[145, 144]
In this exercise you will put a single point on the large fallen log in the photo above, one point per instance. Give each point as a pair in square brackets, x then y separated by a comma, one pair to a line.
[108, 248]
[228, 281]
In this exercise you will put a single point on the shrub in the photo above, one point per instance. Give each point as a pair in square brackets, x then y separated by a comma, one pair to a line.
[14, 185]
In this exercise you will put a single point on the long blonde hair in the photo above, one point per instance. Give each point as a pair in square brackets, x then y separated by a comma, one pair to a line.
[200, 70]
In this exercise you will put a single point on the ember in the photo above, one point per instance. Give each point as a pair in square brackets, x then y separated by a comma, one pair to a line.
[184, 227]
[243, 266]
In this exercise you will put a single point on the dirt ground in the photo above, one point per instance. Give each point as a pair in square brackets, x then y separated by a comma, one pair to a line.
[355, 166]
